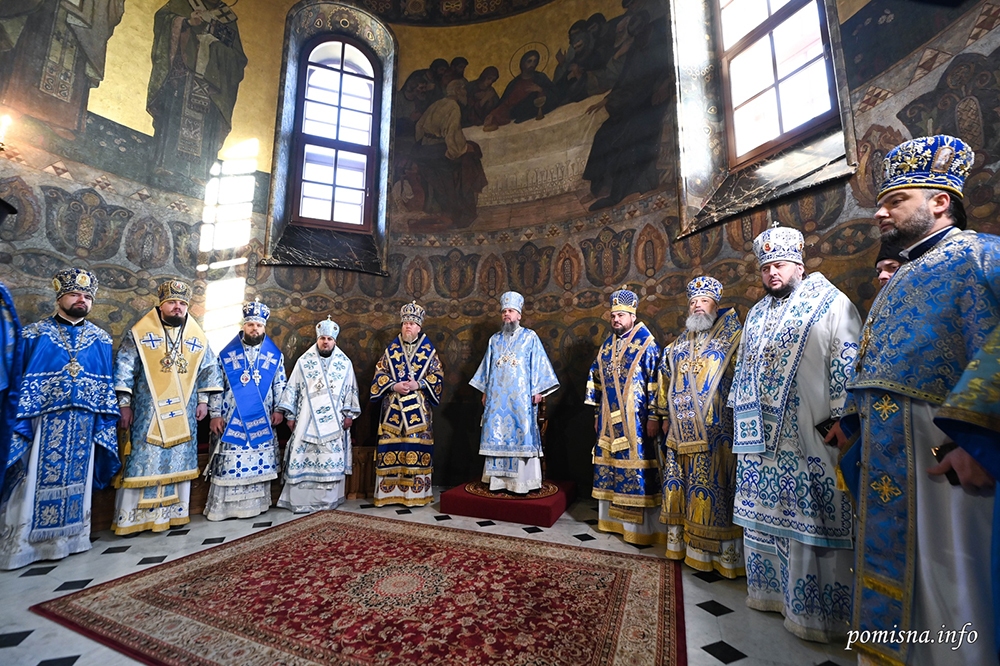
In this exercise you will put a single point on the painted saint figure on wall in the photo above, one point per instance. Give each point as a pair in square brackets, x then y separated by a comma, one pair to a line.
[198, 63]
[52, 52]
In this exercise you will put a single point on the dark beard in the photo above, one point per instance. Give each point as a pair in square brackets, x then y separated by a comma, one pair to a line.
[325, 354]
[785, 290]
[78, 310]
[621, 331]
[173, 321]
[911, 229]
[252, 341]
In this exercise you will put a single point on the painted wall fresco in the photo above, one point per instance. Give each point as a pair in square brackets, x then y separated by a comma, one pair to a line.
[576, 122]
[73, 209]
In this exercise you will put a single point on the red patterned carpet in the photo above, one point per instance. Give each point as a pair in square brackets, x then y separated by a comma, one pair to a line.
[342, 588]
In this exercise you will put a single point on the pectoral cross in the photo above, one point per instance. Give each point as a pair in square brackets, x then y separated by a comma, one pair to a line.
[73, 368]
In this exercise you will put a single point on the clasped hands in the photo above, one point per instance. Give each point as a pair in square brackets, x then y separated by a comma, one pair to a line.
[405, 387]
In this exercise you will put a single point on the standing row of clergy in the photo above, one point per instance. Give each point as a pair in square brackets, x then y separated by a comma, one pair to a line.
[82, 419]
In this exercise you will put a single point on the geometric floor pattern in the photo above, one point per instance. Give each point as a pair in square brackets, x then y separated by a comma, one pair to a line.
[720, 629]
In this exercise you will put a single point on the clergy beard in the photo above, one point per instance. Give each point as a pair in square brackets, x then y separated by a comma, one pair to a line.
[700, 321]
[325, 354]
[409, 339]
[909, 231]
[173, 321]
[77, 311]
[509, 327]
[252, 341]
[786, 289]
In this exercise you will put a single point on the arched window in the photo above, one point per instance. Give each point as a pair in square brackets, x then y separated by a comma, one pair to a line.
[329, 186]
[336, 137]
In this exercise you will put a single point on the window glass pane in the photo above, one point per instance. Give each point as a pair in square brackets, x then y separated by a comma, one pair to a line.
[320, 120]
[318, 164]
[351, 169]
[797, 40]
[323, 85]
[327, 53]
[349, 207]
[317, 191]
[778, 4]
[355, 127]
[357, 94]
[740, 17]
[315, 208]
[805, 95]
[756, 122]
[319, 129]
[751, 71]
[357, 61]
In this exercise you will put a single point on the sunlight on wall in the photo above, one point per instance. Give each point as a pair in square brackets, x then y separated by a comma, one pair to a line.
[226, 224]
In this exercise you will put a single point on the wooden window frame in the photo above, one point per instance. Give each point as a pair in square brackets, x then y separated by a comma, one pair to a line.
[821, 123]
[300, 139]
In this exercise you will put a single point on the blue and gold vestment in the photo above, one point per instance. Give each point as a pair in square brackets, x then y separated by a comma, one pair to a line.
[10, 335]
[698, 467]
[925, 327]
[404, 458]
[69, 409]
[622, 385]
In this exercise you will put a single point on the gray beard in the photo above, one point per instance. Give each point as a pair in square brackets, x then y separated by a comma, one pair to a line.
[409, 340]
[697, 323]
[509, 327]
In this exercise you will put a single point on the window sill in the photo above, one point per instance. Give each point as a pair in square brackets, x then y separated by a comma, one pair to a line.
[325, 248]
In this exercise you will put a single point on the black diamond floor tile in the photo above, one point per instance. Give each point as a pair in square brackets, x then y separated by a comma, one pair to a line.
[485, 523]
[584, 537]
[14, 638]
[152, 560]
[115, 549]
[266, 523]
[715, 608]
[209, 542]
[442, 517]
[402, 512]
[709, 576]
[592, 521]
[532, 529]
[724, 652]
[61, 661]
[37, 571]
[367, 506]
[74, 585]
[94, 538]
[828, 663]
[177, 532]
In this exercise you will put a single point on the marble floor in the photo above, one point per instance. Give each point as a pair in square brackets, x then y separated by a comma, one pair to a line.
[720, 628]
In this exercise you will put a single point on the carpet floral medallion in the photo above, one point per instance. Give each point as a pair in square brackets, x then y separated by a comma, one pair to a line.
[341, 588]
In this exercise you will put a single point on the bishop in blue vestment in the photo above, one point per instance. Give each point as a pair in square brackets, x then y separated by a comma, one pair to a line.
[245, 449]
[514, 376]
[622, 385]
[63, 442]
[923, 544]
